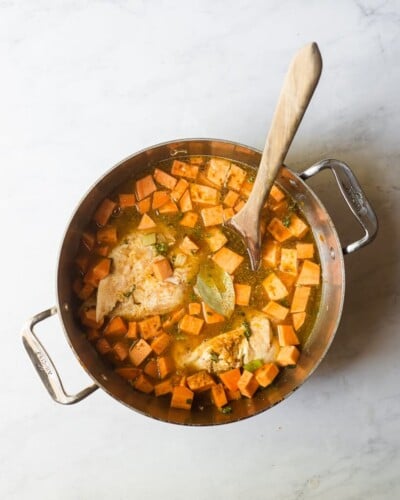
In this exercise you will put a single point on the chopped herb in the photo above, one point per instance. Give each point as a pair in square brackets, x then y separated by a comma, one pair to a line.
[253, 365]
[251, 179]
[161, 248]
[286, 221]
[285, 302]
[193, 296]
[226, 410]
[247, 330]
[189, 401]
[129, 292]
[214, 356]
[292, 207]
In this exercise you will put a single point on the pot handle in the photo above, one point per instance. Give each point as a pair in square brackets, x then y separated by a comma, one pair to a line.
[354, 196]
[44, 365]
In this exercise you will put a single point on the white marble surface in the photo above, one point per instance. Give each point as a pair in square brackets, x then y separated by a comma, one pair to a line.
[85, 83]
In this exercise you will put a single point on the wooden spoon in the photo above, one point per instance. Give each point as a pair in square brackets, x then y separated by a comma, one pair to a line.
[298, 87]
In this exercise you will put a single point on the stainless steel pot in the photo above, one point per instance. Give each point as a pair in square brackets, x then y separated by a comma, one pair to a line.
[327, 321]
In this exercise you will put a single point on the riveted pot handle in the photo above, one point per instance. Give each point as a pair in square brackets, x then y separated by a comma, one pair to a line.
[354, 196]
[44, 365]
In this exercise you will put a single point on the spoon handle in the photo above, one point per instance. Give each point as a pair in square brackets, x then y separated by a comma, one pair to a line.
[298, 87]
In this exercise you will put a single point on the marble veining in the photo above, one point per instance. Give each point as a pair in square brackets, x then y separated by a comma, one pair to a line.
[86, 83]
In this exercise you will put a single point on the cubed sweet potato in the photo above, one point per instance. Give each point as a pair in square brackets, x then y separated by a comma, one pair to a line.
[146, 222]
[231, 378]
[103, 346]
[210, 316]
[276, 194]
[161, 342]
[228, 214]
[266, 374]
[165, 366]
[115, 328]
[212, 216]
[298, 320]
[194, 308]
[218, 395]
[104, 212]
[144, 206]
[183, 169]
[274, 287]
[275, 311]
[185, 203]
[151, 368]
[227, 259]
[169, 208]
[231, 198]
[160, 198]
[242, 294]
[236, 177]
[182, 398]
[150, 327]
[279, 231]
[217, 171]
[120, 351]
[132, 332]
[200, 381]
[204, 195]
[288, 262]
[288, 356]
[297, 226]
[215, 238]
[88, 318]
[164, 179]
[188, 246]
[189, 219]
[127, 200]
[145, 187]
[162, 269]
[97, 271]
[191, 325]
[139, 352]
[271, 252]
[309, 273]
[143, 384]
[179, 189]
[128, 373]
[300, 299]
[305, 250]
[247, 384]
[107, 235]
[287, 335]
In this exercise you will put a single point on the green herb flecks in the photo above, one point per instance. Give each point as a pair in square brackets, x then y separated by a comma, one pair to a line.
[129, 292]
[214, 356]
[253, 365]
[161, 248]
[247, 329]
[226, 409]
[286, 220]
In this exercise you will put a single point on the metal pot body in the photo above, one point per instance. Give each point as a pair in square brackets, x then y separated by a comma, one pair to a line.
[326, 323]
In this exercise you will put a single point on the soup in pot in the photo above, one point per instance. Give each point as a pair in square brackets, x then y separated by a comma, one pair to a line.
[167, 294]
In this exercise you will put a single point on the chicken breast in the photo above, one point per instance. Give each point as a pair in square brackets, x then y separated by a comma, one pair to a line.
[234, 349]
[131, 289]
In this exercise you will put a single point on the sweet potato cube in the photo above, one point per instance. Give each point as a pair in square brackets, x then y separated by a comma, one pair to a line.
[298, 320]
[126, 200]
[162, 269]
[288, 356]
[97, 271]
[309, 273]
[239, 205]
[182, 398]
[121, 351]
[82, 261]
[161, 342]
[300, 299]
[104, 212]
[160, 198]
[278, 230]
[164, 179]
[200, 381]
[128, 373]
[139, 352]
[266, 374]
[107, 235]
[145, 187]
[275, 311]
[236, 177]
[287, 279]
[164, 387]
[231, 378]
[287, 335]
[271, 252]
[276, 194]
[211, 316]
[115, 328]
[185, 203]
[179, 189]
[305, 250]
[233, 395]
[288, 262]
[246, 189]
[218, 395]
[184, 169]
[212, 216]
[86, 291]
[103, 346]
[228, 213]
[188, 246]
[204, 195]
[150, 327]
[102, 250]
[194, 308]
[297, 227]
[189, 219]
[247, 384]
[93, 335]
[191, 325]
[169, 208]
[274, 287]
[165, 366]
[215, 238]
[88, 318]
[242, 294]
[146, 222]
[132, 332]
[89, 240]
[151, 368]
[144, 206]
[227, 259]
[174, 318]
[231, 198]
[217, 171]
[279, 209]
[143, 384]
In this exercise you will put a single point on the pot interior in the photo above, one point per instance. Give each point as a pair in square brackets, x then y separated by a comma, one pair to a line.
[326, 321]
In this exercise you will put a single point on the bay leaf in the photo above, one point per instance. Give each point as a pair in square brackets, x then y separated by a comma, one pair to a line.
[215, 287]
